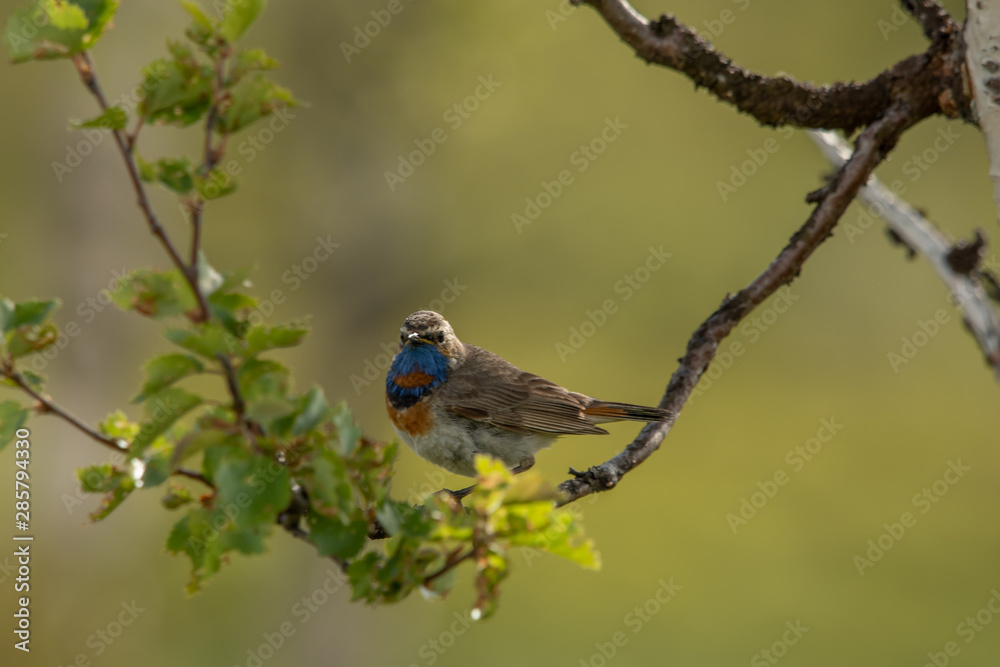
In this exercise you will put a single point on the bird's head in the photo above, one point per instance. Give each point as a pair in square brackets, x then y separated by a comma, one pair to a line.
[425, 327]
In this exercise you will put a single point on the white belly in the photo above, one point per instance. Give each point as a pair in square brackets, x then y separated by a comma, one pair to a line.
[454, 442]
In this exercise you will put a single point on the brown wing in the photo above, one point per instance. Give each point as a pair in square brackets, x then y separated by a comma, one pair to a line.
[487, 388]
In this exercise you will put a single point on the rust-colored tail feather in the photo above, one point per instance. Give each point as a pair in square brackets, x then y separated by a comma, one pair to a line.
[605, 410]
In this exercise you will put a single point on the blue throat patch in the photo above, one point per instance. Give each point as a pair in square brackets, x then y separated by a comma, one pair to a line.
[420, 358]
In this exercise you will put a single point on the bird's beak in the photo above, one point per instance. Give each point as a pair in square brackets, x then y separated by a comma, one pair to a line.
[414, 337]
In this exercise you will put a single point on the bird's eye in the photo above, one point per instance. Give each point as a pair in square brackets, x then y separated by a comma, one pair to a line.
[402, 337]
[440, 337]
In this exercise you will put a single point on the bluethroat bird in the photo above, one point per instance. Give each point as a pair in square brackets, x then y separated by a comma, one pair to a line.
[450, 401]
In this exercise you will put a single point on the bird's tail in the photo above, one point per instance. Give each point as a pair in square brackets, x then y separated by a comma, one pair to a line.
[605, 411]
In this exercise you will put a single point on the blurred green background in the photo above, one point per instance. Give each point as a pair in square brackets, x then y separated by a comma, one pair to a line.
[555, 85]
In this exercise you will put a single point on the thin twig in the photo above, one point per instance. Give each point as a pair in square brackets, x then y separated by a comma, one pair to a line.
[212, 155]
[831, 202]
[47, 405]
[86, 70]
[450, 563]
[239, 406]
[923, 238]
[191, 474]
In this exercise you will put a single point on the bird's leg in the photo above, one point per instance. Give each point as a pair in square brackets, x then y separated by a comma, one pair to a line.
[461, 493]
[525, 465]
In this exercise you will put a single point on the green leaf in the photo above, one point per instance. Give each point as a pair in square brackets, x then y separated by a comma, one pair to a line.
[176, 496]
[12, 417]
[348, 434]
[164, 371]
[253, 60]
[175, 174]
[53, 29]
[240, 14]
[156, 464]
[112, 119]
[402, 519]
[313, 411]
[195, 536]
[262, 377]
[178, 90]
[33, 379]
[253, 98]
[250, 491]
[261, 338]
[334, 538]
[30, 338]
[162, 409]
[197, 14]
[26, 313]
[200, 440]
[26, 327]
[207, 340]
[229, 308]
[216, 184]
[105, 478]
[155, 293]
[361, 573]
[117, 426]
[327, 483]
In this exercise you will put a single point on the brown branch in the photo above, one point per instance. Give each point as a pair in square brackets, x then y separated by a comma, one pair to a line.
[191, 474]
[213, 154]
[239, 406]
[832, 201]
[935, 21]
[957, 265]
[86, 70]
[930, 82]
[452, 561]
[47, 405]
